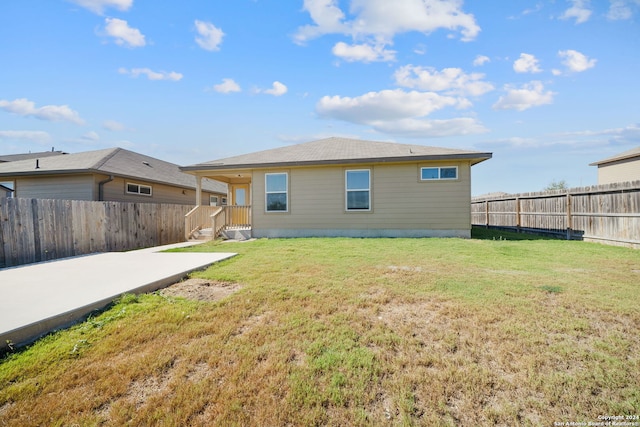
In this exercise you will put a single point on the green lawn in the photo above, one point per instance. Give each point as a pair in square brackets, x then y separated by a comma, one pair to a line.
[487, 331]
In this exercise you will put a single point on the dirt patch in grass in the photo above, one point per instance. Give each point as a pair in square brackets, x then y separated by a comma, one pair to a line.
[201, 289]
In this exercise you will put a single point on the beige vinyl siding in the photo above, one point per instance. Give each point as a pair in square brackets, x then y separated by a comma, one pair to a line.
[399, 200]
[161, 193]
[620, 171]
[69, 187]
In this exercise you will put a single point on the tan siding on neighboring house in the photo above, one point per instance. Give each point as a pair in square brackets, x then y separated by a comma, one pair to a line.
[70, 187]
[620, 171]
[116, 191]
[399, 201]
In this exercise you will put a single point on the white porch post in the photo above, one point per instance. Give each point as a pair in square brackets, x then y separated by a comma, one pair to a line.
[198, 190]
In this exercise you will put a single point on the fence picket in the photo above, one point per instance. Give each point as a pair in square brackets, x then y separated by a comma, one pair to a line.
[607, 213]
[34, 230]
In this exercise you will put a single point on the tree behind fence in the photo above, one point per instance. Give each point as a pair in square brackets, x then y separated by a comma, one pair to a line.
[605, 213]
[34, 230]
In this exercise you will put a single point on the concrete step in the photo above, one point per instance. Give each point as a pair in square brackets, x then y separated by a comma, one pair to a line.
[236, 234]
[203, 234]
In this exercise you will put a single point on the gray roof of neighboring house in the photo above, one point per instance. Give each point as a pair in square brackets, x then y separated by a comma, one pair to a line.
[629, 154]
[25, 156]
[110, 161]
[339, 151]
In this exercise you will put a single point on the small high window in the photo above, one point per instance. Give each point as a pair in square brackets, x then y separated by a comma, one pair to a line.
[438, 173]
[358, 189]
[144, 190]
[276, 192]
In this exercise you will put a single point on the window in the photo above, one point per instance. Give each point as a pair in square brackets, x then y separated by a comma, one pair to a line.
[213, 200]
[276, 189]
[144, 190]
[358, 189]
[431, 174]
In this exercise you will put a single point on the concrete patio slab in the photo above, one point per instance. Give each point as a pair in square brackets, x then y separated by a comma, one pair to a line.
[36, 299]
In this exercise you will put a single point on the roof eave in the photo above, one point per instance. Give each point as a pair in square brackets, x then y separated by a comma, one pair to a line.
[618, 159]
[473, 157]
[47, 172]
[103, 172]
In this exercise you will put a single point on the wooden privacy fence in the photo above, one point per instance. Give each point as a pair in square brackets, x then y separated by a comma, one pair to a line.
[605, 213]
[34, 230]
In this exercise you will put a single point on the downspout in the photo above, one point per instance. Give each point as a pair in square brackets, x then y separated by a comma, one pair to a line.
[101, 187]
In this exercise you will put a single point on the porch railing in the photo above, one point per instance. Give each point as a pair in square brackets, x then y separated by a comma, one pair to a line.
[217, 218]
[238, 216]
[198, 218]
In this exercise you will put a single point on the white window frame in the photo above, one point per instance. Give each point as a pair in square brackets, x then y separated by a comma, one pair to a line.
[285, 192]
[439, 178]
[347, 190]
[139, 186]
[213, 200]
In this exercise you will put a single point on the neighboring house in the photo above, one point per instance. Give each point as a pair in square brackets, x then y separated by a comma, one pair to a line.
[348, 187]
[112, 174]
[5, 191]
[619, 168]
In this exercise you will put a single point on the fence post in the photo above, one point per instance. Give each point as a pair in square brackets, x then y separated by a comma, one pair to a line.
[486, 213]
[569, 217]
[518, 221]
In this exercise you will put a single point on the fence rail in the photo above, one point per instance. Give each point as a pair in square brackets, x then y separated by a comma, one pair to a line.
[34, 230]
[606, 213]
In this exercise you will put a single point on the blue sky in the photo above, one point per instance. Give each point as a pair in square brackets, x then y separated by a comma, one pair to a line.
[547, 86]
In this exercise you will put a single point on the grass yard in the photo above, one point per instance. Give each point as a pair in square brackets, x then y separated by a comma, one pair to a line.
[429, 332]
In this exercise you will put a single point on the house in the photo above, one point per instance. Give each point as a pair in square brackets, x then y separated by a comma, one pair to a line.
[112, 174]
[622, 167]
[349, 187]
[5, 191]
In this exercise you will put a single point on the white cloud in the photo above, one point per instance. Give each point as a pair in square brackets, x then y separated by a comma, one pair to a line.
[529, 95]
[575, 61]
[527, 63]
[378, 20]
[398, 112]
[123, 34]
[449, 80]
[363, 52]
[112, 125]
[425, 128]
[98, 6]
[328, 19]
[579, 11]
[152, 75]
[227, 86]
[277, 89]
[54, 113]
[621, 9]
[385, 105]
[29, 135]
[629, 135]
[210, 37]
[480, 60]
[90, 136]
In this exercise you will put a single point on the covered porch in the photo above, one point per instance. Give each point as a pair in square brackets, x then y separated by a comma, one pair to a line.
[231, 215]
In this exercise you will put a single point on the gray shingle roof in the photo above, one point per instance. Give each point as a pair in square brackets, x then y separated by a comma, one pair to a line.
[25, 156]
[111, 161]
[629, 154]
[339, 151]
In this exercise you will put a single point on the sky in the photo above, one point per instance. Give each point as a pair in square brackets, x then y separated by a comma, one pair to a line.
[546, 86]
